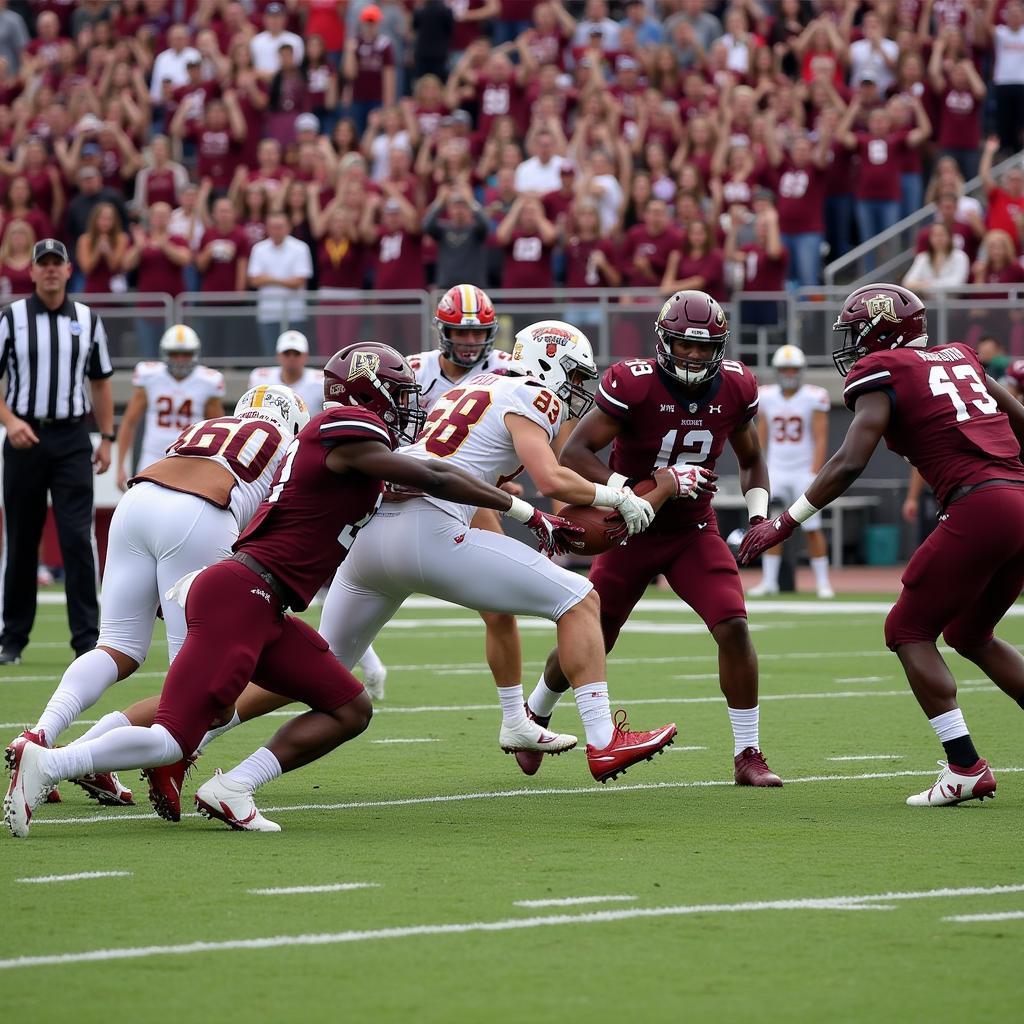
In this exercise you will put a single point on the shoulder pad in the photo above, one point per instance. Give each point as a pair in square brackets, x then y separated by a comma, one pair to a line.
[336, 426]
[623, 385]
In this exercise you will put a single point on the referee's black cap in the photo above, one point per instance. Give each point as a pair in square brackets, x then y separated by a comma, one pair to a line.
[50, 247]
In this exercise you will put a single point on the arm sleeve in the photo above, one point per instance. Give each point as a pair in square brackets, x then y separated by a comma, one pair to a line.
[352, 424]
[534, 404]
[868, 375]
[99, 357]
[611, 395]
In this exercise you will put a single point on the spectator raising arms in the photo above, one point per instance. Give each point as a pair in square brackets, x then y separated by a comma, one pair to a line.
[100, 252]
[527, 237]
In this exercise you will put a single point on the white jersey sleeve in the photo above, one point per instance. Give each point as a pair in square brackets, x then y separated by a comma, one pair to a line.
[467, 428]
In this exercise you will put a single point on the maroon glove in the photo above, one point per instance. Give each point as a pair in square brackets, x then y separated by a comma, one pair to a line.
[552, 531]
[765, 535]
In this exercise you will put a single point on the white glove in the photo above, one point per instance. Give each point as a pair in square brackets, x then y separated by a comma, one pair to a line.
[179, 592]
[692, 481]
[638, 513]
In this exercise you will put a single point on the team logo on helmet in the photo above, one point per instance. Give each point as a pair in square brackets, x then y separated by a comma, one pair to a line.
[881, 307]
[517, 351]
[364, 364]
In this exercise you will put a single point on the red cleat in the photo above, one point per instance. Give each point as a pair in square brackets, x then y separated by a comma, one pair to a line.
[53, 797]
[105, 788]
[531, 760]
[751, 769]
[165, 787]
[39, 738]
[627, 748]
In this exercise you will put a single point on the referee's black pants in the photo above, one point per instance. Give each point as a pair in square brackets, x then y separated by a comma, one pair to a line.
[61, 464]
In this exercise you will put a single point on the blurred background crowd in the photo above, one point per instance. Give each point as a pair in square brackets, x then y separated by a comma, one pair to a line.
[226, 145]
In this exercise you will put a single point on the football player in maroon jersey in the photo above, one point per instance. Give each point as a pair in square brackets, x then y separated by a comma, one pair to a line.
[680, 407]
[963, 432]
[328, 486]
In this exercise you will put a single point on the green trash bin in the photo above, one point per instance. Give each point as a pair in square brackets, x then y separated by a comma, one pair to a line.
[881, 544]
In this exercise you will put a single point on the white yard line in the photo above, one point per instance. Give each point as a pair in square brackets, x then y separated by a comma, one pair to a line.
[505, 794]
[295, 890]
[1010, 915]
[574, 901]
[426, 740]
[79, 877]
[862, 679]
[867, 757]
[509, 924]
[681, 750]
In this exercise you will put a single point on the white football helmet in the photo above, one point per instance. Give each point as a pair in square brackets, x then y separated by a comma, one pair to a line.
[276, 402]
[789, 363]
[561, 357]
[180, 340]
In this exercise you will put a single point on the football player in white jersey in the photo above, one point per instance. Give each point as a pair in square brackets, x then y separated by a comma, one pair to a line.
[291, 370]
[793, 427]
[180, 514]
[173, 394]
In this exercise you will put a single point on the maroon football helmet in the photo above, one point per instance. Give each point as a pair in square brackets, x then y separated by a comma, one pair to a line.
[691, 316]
[875, 318]
[377, 378]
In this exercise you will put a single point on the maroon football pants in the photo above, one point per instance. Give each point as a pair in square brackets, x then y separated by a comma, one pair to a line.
[696, 562]
[965, 576]
[236, 633]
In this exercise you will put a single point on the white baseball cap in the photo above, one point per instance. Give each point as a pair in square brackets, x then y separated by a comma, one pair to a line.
[292, 341]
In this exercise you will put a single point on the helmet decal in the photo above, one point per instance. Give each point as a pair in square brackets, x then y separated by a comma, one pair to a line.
[881, 307]
[364, 364]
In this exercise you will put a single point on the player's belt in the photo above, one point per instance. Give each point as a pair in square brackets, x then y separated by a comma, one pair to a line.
[961, 492]
[279, 590]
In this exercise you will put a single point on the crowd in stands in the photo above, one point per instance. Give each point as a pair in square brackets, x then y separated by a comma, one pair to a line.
[220, 145]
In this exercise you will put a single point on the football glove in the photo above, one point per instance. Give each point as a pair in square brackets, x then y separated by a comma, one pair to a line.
[637, 512]
[693, 481]
[765, 535]
[552, 531]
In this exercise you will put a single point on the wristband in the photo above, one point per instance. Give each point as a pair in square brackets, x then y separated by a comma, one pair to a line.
[607, 497]
[618, 481]
[108, 437]
[757, 502]
[521, 511]
[802, 510]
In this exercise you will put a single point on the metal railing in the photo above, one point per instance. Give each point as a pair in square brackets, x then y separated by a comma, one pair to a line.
[896, 244]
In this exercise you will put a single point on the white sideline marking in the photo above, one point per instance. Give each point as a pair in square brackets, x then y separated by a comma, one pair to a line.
[573, 901]
[293, 890]
[868, 757]
[76, 878]
[862, 679]
[641, 626]
[682, 750]
[502, 794]
[430, 740]
[509, 924]
[1010, 915]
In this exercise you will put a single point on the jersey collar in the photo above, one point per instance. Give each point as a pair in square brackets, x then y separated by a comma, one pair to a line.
[686, 397]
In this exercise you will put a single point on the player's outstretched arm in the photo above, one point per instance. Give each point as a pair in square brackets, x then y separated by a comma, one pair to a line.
[1011, 406]
[870, 419]
[594, 433]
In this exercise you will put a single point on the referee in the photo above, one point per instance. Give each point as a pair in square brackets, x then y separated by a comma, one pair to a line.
[49, 347]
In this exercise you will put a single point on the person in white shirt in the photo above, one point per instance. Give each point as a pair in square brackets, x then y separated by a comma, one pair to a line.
[792, 424]
[542, 173]
[874, 55]
[940, 267]
[265, 45]
[172, 64]
[1008, 72]
[596, 22]
[291, 369]
[279, 268]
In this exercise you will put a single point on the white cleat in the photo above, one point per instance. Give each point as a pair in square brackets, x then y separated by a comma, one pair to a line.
[826, 593]
[373, 680]
[762, 590]
[529, 735]
[955, 785]
[30, 784]
[233, 804]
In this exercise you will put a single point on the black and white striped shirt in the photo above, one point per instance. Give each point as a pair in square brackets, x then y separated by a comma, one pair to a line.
[48, 355]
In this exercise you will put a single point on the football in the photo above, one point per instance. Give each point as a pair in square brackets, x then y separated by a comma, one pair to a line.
[597, 523]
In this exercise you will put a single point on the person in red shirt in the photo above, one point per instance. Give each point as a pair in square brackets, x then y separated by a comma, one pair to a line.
[398, 260]
[470, 18]
[223, 251]
[590, 259]
[527, 237]
[499, 90]
[369, 69]
[16, 260]
[18, 205]
[557, 204]
[696, 265]
[340, 267]
[1005, 198]
[100, 252]
[881, 151]
[324, 19]
[961, 94]
[762, 263]
[645, 250]
[217, 136]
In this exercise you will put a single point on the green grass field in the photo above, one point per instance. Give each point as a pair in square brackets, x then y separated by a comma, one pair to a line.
[827, 900]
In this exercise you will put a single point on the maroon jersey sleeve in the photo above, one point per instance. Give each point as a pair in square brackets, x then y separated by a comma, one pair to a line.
[872, 373]
[623, 385]
[352, 424]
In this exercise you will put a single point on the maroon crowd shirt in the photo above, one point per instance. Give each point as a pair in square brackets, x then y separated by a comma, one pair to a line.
[761, 272]
[801, 199]
[664, 423]
[309, 520]
[156, 272]
[340, 264]
[527, 262]
[217, 154]
[881, 162]
[399, 260]
[639, 242]
[220, 275]
[372, 57]
[959, 120]
[579, 269]
[943, 420]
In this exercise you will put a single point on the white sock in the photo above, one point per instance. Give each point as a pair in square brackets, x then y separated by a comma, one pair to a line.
[134, 746]
[219, 731]
[595, 713]
[949, 726]
[770, 567]
[512, 711]
[370, 661]
[744, 723]
[86, 680]
[543, 699]
[111, 720]
[256, 770]
[820, 567]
